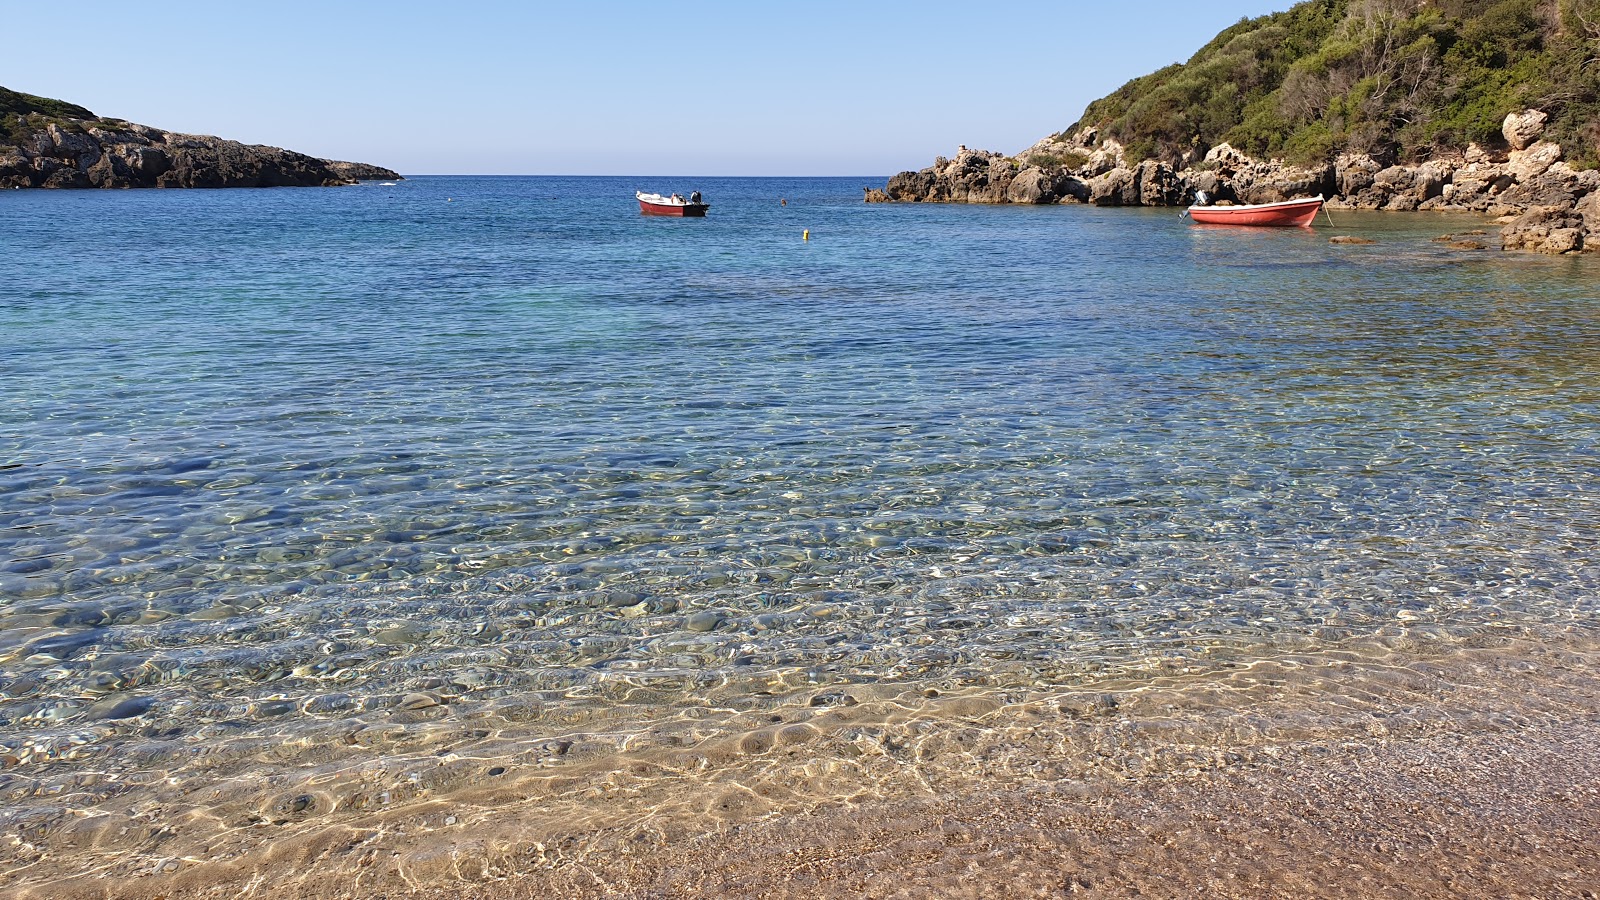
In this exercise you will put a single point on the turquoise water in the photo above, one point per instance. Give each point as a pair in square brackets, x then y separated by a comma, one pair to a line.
[276, 461]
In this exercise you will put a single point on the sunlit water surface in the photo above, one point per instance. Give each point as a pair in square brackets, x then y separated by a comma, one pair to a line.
[458, 459]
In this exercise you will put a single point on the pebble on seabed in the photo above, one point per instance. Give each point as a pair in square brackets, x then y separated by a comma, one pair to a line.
[705, 620]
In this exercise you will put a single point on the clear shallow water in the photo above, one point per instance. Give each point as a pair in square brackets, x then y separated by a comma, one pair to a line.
[278, 465]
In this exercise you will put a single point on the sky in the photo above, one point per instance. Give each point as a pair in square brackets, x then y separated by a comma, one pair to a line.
[608, 87]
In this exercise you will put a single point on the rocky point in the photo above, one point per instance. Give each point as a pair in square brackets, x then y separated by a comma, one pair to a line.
[1545, 204]
[38, 151]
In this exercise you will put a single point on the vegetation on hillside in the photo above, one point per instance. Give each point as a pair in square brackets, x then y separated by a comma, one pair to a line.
[13, 103]
[21, 115]
[1399, 79]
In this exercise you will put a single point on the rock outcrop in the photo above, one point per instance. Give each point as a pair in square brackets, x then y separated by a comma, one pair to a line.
[1544, 229]
[56, 152]
[1547, 205]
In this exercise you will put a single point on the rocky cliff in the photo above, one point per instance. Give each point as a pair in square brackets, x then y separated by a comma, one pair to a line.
[1545, 204]
[46, 143]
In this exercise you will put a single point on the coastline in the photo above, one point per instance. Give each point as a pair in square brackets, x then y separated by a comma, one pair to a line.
[1389, 766]
[1545, 205]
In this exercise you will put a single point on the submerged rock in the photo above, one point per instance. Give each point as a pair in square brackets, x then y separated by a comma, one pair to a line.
[705, 620]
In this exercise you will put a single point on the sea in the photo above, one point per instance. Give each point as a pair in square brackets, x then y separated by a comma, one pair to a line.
[480, 500]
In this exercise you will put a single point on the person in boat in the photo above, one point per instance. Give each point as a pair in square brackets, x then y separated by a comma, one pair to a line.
[694, 196]
[676, 198]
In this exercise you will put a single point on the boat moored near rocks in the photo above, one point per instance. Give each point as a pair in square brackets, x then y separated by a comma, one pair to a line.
[1285, 212]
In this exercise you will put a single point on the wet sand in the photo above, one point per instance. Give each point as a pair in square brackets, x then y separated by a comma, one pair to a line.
[1508, 815]
[1374, 770]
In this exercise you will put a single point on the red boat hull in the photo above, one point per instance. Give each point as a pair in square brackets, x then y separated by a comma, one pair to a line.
[673, 209]
[1291, 213]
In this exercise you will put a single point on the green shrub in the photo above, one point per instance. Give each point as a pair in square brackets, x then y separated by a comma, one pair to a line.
[1070, 160]
[1311, 144]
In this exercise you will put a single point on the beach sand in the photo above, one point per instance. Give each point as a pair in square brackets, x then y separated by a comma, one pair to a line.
[1382, 769]
[1505, 815]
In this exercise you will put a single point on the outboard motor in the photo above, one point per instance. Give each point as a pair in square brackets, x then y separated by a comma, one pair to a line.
[1201, 198]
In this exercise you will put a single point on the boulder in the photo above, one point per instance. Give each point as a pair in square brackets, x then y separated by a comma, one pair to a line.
[1208, 182]
[76, 148]
[1072, 189]
[1477, 154]
[1158, 185]
[1395, 179]
[1354, 173]
[1430, 178]
[1589, 210]
[139, 163]
[1545, 229]
[1117, 187]
[1106, 157]
[914, 187]
[1523, 128]
[1031, 185]
[16, 170]
[1563, 240]
[1478, 187]
[1525, 165]
[1271, 182]
[1225, 156]
[1559, 185]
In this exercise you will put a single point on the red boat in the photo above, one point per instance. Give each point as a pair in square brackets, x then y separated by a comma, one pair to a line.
[1287, 212]
[657, 205]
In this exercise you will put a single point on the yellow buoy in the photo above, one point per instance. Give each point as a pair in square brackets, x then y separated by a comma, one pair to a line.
[805, 235]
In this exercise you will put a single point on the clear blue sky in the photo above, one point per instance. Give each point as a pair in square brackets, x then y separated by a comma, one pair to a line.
[610, 86]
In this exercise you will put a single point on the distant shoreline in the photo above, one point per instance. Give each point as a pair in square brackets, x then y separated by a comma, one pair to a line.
[47, 143]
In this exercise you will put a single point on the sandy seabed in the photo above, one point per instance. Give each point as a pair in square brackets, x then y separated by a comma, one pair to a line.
[1374, 770]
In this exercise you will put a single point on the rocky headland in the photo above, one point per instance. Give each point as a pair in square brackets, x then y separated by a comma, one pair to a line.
[50, 144]
[1544, 204]
[1487, 106]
